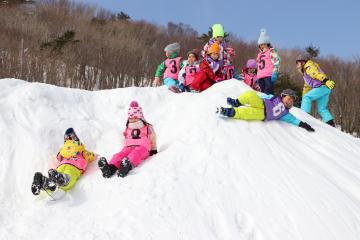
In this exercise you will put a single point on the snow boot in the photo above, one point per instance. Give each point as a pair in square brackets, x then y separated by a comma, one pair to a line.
[331, 122]
[233, 102]
[175, 89]
[227, 112]
[41, 182]
[125, 167]
[59, 179]
[107, 169]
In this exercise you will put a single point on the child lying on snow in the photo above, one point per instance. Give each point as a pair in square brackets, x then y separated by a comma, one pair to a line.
[71, 163]
[140, 143]
[249, 106]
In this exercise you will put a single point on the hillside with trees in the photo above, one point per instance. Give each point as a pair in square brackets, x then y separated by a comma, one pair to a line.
[76, 45]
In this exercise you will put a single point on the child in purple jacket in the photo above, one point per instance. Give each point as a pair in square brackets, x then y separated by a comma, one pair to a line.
[249, 106]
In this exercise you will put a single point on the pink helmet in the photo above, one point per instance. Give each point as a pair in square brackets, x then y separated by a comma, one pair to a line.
[230, 51]
[251, 63]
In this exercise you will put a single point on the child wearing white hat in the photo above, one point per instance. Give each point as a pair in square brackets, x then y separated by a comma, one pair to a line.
[268, 63]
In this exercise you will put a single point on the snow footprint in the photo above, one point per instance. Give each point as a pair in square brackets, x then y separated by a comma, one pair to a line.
[247, 228]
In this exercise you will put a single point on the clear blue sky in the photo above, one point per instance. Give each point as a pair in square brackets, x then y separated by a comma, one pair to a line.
[332, 25]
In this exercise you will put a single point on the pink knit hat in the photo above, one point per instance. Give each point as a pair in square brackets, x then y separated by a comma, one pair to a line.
[135, 111]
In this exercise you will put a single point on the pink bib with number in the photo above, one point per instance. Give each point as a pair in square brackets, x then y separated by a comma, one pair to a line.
[190, 72]
[265, 66]
[172, 68]
[229, 71]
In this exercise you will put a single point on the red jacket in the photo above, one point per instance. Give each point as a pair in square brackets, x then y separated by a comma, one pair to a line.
[204, 78]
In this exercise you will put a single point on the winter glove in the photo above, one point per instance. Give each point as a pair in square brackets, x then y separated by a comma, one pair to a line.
[152, 152]
[157, 81]
[233, 102]
[274, 77]
[306, 126]
[329, 83]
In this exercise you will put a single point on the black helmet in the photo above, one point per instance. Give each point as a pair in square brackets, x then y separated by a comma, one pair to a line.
[70, 135]
[289, 92]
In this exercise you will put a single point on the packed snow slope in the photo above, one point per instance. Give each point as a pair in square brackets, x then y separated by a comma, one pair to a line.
[213, 178]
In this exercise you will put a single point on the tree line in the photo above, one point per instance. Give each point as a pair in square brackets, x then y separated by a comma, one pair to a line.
[76, 45]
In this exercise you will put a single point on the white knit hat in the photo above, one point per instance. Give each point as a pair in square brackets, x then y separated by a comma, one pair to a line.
[264, 37]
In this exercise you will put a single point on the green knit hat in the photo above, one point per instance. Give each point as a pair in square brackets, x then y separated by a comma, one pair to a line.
[217, 30]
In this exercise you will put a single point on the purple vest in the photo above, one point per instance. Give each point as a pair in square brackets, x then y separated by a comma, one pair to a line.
[274, 108]
[215, 65]
[313, 83]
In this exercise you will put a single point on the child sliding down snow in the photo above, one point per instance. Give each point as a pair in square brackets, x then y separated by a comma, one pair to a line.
[249, 106]
[140, 143]
[71, 163]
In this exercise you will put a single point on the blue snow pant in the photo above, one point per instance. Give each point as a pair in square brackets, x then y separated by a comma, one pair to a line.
[266, 85]
[321, 96]
[169, 82]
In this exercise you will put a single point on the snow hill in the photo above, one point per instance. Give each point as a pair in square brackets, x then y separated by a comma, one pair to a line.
[213, 178]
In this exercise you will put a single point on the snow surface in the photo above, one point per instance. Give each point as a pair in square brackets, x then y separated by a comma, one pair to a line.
[213, 178]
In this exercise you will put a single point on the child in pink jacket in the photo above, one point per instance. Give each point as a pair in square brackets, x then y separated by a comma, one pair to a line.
[140, 143]
[249, 76]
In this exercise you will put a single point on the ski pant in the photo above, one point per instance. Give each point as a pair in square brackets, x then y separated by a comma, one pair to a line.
[73, 172]
[266, 85]
[169, 82]
[252, 109]
[321, 96]
[135, 154]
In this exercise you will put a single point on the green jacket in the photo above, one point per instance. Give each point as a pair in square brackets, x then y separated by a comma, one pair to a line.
[161, 68]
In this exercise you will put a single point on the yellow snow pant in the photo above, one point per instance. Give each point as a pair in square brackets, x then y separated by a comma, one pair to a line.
[73, 172]
[252, 107]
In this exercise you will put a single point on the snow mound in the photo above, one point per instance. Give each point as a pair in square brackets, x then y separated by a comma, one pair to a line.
[213, 178]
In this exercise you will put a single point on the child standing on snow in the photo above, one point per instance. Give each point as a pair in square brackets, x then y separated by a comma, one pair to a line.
[210, 70]
[268, 64]
[71, 163]
[218, 35]
[140, 143]
[188, 72]
[169, 69]
[317, 87]
[248, 75]
[229, 68]
[249, 106]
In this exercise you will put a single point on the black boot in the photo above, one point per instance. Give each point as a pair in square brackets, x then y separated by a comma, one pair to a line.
[58, 178]
[107, 169]
[228, 112]
[233, 102]
[331, 122]
[125, 167]
[41, 182]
